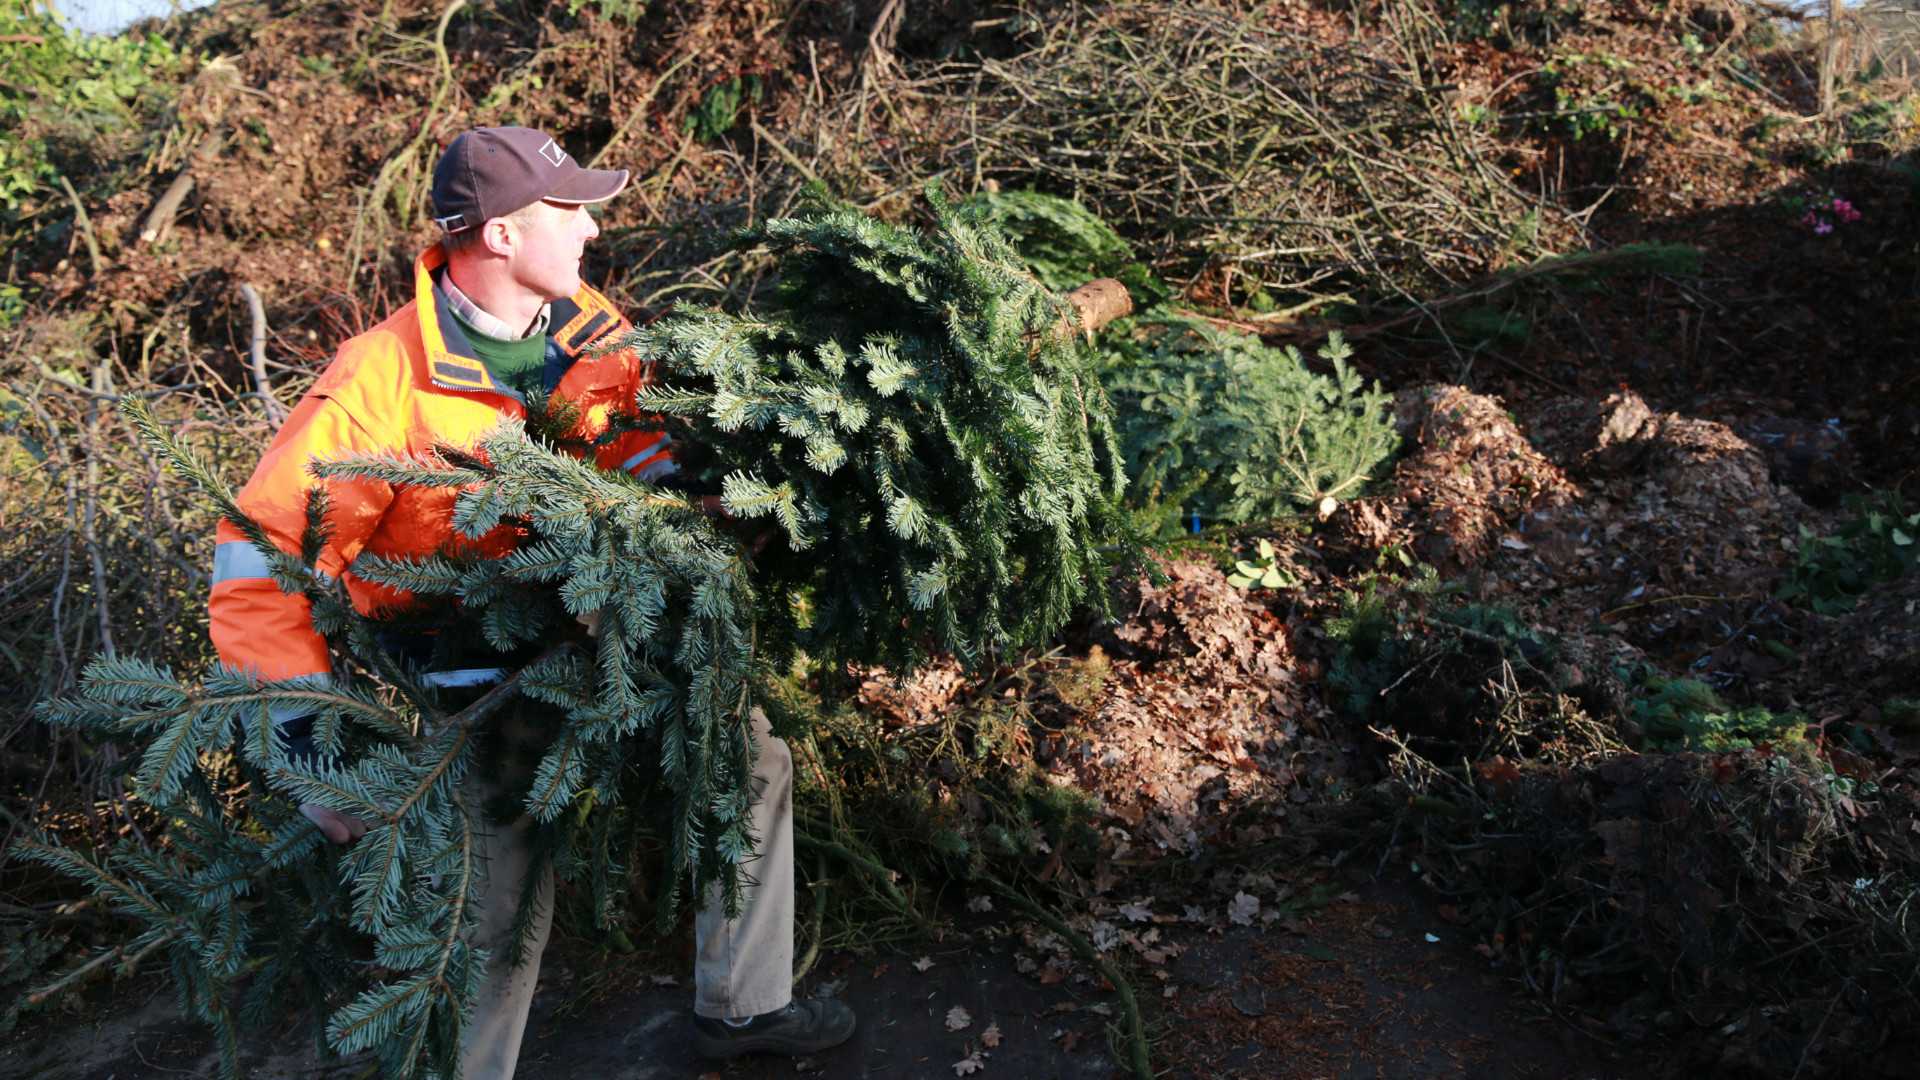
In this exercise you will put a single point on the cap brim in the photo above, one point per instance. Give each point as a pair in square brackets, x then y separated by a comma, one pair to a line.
[590, 186]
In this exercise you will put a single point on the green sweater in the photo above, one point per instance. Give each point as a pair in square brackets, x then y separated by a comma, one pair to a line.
[519, 364]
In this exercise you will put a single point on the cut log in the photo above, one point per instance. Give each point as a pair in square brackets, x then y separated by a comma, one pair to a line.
[161, 219]
[1098, 303]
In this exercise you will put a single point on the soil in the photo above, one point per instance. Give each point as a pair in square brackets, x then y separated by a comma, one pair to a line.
[1357, 991]
[1381, 986]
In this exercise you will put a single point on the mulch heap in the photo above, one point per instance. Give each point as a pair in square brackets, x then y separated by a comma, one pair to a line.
[1210, 709]
[1633, 533]
[1196, 707]
[1746, 906]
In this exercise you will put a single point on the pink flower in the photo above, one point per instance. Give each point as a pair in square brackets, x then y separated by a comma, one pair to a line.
[1823, 228]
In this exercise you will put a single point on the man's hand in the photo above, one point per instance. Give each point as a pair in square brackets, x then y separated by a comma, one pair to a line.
[334, 825]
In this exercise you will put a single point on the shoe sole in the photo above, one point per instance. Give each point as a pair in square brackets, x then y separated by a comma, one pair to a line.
[722, 1050]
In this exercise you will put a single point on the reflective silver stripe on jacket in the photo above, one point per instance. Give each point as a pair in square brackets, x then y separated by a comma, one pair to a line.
[465, 677]
[652, 463]
[238, 559]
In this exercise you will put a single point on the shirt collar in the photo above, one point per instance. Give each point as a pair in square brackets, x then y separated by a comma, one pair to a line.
[480, 320]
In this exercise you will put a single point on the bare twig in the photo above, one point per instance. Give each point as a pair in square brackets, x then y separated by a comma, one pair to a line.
[1136, 1034]
[257, 351]
[92, 967]
[1806, 1055]
[640, 109]
[83, 223]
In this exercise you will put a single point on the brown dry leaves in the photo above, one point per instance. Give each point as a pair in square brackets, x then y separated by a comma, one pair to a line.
[1206, 709]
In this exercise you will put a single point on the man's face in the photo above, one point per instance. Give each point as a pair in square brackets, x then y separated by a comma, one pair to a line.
[546, 257]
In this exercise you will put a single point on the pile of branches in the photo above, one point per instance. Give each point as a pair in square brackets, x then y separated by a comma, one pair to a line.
[106, 554]
[1305, 162]
[1755, 903]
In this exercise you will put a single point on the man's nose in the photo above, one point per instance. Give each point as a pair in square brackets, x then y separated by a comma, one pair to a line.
[593, 227]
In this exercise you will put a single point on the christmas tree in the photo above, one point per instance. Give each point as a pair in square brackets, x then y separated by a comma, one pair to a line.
[916, 418]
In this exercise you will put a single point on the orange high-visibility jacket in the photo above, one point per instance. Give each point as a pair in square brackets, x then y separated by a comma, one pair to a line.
[406, 385]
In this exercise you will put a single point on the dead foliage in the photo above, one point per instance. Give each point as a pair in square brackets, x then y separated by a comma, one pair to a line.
[1750, 904]
[1466, 482]
[1599, 518]
[1208, 710]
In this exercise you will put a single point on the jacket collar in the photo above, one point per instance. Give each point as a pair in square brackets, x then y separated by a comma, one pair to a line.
[451, 362]
[573, 325]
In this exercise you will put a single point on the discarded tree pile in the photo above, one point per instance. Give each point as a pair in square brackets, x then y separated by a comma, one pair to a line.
[1753, 903]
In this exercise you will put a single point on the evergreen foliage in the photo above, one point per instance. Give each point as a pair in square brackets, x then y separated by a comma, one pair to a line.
[1211, 420]
[1685, 714]
[1241, 430]
[940, 459]
[1391, 625]
[1067, 245]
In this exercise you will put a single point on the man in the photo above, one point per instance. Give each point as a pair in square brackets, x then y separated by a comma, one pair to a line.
[499, 314]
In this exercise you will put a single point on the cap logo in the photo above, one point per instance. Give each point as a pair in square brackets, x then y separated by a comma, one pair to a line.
[552, 152]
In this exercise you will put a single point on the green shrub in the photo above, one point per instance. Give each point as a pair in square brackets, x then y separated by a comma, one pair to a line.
[1240, 426]
[63, 96]
[1686, 714]
[1878, 545]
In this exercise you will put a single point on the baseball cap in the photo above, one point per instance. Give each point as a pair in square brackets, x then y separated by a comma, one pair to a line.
[491, 172]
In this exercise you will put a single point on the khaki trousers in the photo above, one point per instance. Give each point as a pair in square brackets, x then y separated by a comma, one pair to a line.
[743, 967]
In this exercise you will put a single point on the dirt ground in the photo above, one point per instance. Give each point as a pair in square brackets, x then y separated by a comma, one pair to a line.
[1376, 986]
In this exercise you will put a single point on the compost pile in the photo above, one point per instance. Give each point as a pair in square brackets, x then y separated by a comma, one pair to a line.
[1209, 712]
[1601, 517]
[1183, 720]
[1718, 871]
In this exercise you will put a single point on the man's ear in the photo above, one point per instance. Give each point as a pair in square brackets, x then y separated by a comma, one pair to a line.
[498, 237]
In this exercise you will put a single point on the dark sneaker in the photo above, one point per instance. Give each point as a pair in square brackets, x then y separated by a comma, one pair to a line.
[803, 1027]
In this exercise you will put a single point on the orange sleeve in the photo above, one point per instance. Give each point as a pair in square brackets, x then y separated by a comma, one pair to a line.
[647, 455]
[253, 624]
